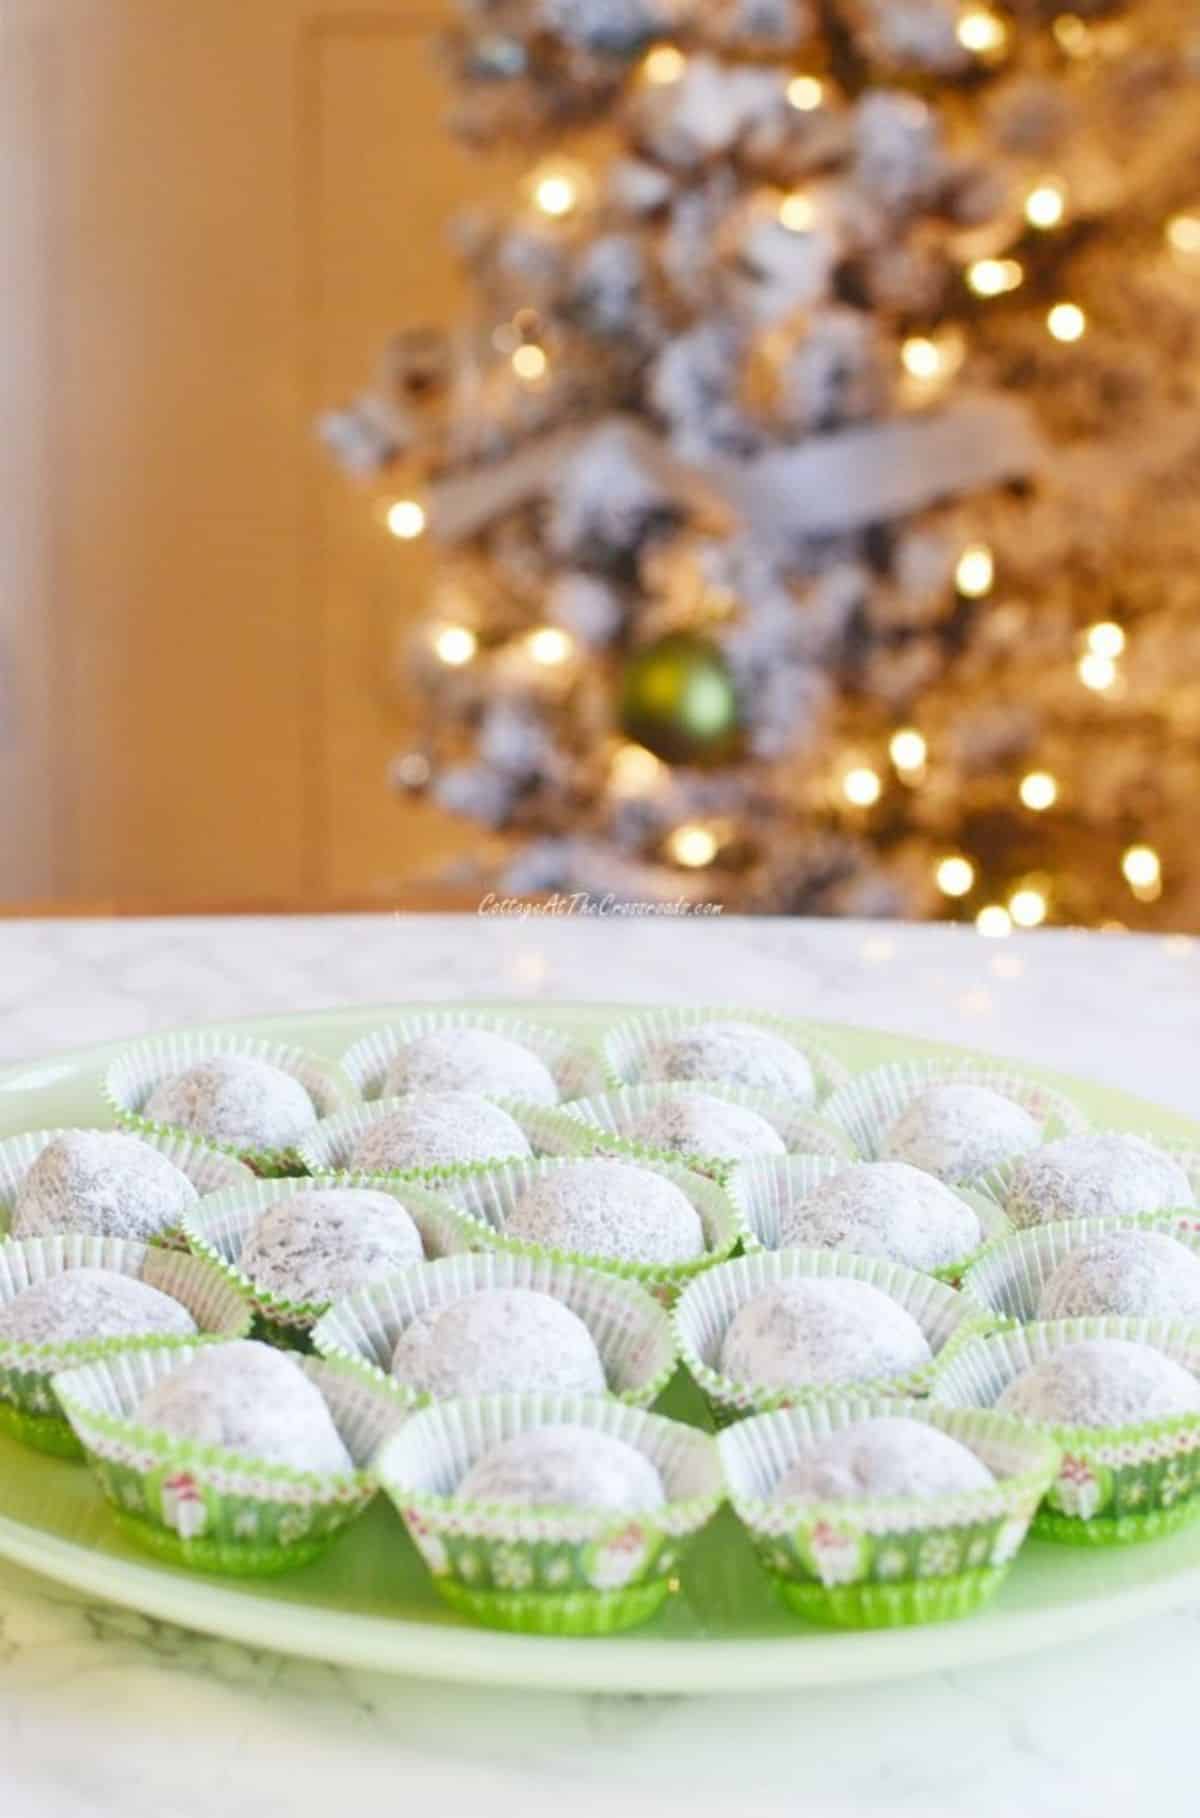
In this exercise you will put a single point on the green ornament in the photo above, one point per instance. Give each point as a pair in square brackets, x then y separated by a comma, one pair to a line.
[678, 700]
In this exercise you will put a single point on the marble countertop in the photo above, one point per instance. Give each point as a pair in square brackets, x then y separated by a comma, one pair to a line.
[108, 1714]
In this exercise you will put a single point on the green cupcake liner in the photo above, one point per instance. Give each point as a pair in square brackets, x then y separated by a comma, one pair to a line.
[1007, 1279]
[888, 1561]
[631, 1331]
[133, 1076]
[29, 1408]
[218, 1231]
[997, 1184]
[707, 1308]
[762, 1190]
[208, 1168]
[625, 1047]
[575, 1065]
[486, 1200]
[608, 1117]
[866, 1107]
[567, 1571]
[328, 1151]
[208, 1508]
[1122, 1484]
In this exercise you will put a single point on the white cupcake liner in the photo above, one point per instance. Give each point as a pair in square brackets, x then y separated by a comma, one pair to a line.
[998, 1183]
[608, 1117]
[218, 1230]
[210, 1170]
[486, 1200]
[328, 1149]
[631, 1331]
[575, 1066]
[707, 1308]
[1007, 1279]
[625, 1046]
[763, 1189]
[866, 1107]
[135, 1073]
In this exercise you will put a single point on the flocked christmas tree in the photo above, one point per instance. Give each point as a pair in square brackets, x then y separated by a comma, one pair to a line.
[818, 472]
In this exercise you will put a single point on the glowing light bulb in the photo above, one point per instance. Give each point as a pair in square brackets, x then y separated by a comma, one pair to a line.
[455, 645]
[862, 786]
[663, 64]
[556, 190]
[976, 571]
[1096, 672]
[994, 921]
[634, 770]
[955, 876]
[921, 358]
[406, 519]
[1066, 322]
[549, 646]
[992, 277]
[1106, 639]
[982, 33]
[530, 363]
[693, 845]
[908, 749]
[804, 93]
[1039, 790]
[1027, 908]
[1141, 868]
[1046, 204]
[1183, 234]
[796, 212]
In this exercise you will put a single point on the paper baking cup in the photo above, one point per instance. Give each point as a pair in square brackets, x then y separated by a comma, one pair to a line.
[208, 1169]
[486, 1201]
[762, 1191]
[218, 1231]
[1115, 1485]
[608, 1117]
[631, 1331]
[547, 1571]
[133, 1076]
[29, 1409]
[626, 1046]
[327, 1151]
[891, 1561]
[204, 1506]
[998, 1183]
[1007, 1279]
[866, 1107]
[707, 1308]
[575, 1065]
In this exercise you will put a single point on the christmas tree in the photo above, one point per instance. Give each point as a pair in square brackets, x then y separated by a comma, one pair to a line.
[816, 474]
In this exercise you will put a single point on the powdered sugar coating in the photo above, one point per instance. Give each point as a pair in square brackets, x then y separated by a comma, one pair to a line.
[611, 1209]
[811, 1332]
[738, 1054]
[696, 1123]
[956, 1130]
[104, 1183]
[439, 1130]
[565, 1467]
[236, 1099]
[1137, 1274]
[886, 1209]
[888, 1456]
[249, 1399]
[462, 1059]
[92, 1303]
[319, 1244]
[1102, 1382]
[1095, 1175]
[501, 1340]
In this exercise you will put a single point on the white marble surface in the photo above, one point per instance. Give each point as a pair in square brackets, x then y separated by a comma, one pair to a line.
[105, 1713]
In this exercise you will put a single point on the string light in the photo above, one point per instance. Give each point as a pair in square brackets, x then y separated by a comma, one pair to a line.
[981, 32]
[992, 277]
[693, 845]
[634, 770]
[1038, 791]
[1046, 204]
[1027, 907]
[920, 357]
[455, 645]
[1073, 35]
[908, 749]
[1096, 671]
[1066, 322]
[796, 212]
[530, 363]
[405, 519]
[557, 189]
[1106, 639]
[976, 571]
[1183, 234]
[805, 93]
[862, 786]
[550, 646]
[994, 921]
[1142, 869]
[663, 64]
[955, 876]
